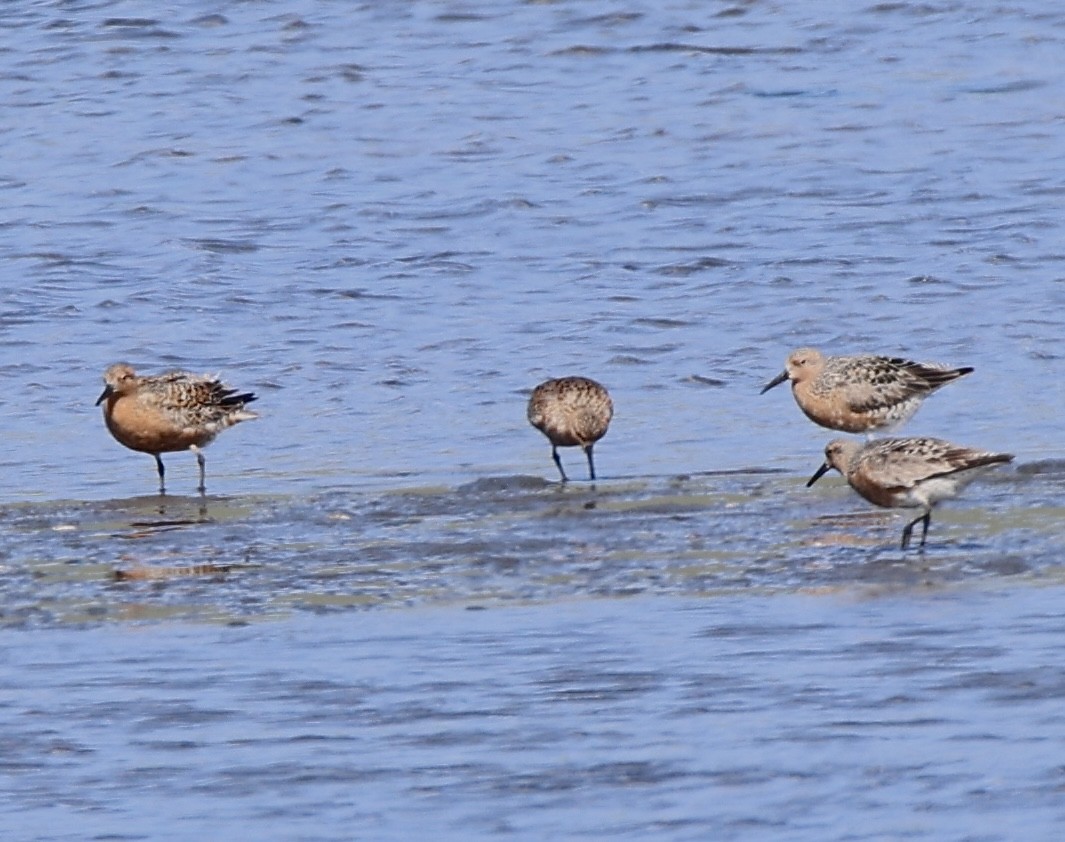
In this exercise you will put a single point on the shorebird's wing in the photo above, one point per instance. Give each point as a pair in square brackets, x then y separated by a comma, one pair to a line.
[193, 400]
[904, 463]
[876, 383]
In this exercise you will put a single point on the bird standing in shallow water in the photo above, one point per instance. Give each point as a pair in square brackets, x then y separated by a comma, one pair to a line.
[571, 412]
[169, 412]
[910, 473]
[861, 394]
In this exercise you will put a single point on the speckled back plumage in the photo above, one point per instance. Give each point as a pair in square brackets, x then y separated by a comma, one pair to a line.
[192, 400]
[571, 411]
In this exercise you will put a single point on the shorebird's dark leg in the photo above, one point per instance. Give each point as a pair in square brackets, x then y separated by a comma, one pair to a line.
[927, 520]
[159, 467]
[202, 488]
[924, 520]
[554, 455]
[591, 464]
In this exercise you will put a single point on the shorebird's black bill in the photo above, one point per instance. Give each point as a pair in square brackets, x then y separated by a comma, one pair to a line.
[776, 381]
[820, 472]
[104, 395]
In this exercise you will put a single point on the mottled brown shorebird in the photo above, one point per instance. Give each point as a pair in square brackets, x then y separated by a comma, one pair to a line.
[861, 394]
[571, 412]
[910, 473]
[169, 412]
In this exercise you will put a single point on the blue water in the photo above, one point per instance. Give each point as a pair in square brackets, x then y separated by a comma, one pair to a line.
[934, 716]
[391, 221]
[394, 221]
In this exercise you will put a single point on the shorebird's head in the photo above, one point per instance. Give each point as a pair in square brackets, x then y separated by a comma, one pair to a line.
[118, 379]
[838, 455]
[802, 364]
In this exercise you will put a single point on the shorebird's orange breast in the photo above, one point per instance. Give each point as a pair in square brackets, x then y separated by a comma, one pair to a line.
[148, 429]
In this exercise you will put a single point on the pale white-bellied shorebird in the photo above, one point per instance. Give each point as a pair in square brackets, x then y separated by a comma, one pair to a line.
[910, 473]
[169, 412]
[861, 394]
[571, 412]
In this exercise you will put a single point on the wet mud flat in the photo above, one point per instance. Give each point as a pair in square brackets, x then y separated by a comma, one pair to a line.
[504, 540]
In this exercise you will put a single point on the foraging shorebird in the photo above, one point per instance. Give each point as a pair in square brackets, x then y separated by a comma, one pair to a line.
[169, 412]
[861, 394]
[910, 473]
[571, 412]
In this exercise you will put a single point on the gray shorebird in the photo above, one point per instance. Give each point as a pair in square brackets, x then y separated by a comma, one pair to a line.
[169, 412]
[571, 412]
[861, 394]
[910, 473]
